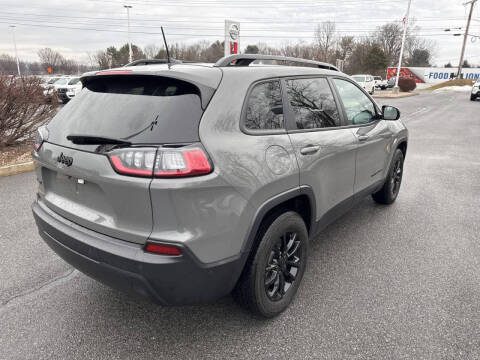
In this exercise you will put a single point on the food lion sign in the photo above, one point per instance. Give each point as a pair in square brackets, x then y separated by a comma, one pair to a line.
[232, 37]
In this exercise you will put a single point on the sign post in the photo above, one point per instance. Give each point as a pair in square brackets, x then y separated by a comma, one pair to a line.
[232, 37]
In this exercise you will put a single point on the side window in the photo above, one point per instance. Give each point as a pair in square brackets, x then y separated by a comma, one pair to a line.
[359, 108]
[312, 103]
[264, 107]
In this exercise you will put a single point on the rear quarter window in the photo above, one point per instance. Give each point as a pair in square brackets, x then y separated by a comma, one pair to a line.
[264, 109]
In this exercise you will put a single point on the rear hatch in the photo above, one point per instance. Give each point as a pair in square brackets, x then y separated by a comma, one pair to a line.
[79, 179]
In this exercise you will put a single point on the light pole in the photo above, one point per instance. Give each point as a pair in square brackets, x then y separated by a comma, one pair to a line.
[395, 89]
[460, 65]
[16, 52]
[130, 55]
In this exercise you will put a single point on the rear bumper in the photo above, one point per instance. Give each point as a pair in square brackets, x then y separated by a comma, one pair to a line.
[169, 280]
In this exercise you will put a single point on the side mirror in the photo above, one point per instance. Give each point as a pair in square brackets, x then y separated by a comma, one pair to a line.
[390, 113]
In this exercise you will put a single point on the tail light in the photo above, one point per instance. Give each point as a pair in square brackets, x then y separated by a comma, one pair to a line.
[161, 162]
[40, 137]
[133, 161]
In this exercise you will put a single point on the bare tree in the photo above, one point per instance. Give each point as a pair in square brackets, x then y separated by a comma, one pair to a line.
[68, 66]
[346, 46]
[389, 38]
[103, 59]
[50, 58]
[23, 108]
[8, 64]
[325, 38]
[301, 50]
[151, 51]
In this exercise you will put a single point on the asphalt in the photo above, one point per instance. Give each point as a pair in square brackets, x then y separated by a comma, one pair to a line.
[383, 282]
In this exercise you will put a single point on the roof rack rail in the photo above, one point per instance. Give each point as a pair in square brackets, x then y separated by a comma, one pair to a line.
[247, 59]
[152, 62]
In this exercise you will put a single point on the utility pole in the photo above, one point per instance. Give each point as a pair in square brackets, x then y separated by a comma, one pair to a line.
[395, 89]
[16, 52]
[130, 54]
[472, 4]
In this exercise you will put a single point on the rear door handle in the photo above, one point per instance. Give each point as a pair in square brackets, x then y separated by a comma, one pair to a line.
[309, 150]
[362, 137]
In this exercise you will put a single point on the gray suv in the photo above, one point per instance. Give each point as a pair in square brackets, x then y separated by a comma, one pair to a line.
[186, 182]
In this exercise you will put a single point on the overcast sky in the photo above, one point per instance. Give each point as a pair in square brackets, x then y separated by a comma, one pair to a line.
[76, 28]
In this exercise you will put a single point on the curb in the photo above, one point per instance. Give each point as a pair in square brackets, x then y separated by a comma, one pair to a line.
[397, 96]
[16, 168]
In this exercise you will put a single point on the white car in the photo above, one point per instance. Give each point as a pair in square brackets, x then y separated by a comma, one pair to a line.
[47, 82]
[365, 81]
[69, 90]
[55, 83]
[475, 91]
[380, 83]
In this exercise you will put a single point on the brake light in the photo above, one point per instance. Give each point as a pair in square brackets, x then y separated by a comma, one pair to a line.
[163, 249]
[161, 162]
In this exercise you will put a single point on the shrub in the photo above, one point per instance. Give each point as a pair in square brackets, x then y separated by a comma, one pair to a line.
[23, 108]
[406, 85]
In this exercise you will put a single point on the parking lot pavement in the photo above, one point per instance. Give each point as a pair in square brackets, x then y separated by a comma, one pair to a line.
[397, 282]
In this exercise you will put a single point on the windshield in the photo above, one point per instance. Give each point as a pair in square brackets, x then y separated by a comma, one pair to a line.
[62, 81]
[52, 80]
[73, 81]
[377, 78]
[359, 78]
[140, 109]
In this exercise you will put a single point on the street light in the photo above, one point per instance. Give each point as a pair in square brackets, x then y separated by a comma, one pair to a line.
[15, 45]
[130, 55]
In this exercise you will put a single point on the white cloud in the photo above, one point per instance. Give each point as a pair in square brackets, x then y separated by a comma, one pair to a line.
[45, 23]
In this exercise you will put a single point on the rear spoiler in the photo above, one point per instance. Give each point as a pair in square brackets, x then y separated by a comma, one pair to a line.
[206, 91]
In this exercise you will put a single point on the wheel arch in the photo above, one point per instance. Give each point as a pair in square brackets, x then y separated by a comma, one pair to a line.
[402, 145]
[300, 200]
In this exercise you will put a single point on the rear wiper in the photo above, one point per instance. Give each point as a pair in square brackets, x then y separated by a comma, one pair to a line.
[96, 140]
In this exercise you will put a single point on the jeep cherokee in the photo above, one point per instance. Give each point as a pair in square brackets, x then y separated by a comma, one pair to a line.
[186, 182]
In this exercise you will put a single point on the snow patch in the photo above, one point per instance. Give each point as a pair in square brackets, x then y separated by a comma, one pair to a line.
[465, 88]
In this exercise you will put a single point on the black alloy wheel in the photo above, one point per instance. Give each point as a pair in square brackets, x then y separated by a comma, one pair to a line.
[282, 266]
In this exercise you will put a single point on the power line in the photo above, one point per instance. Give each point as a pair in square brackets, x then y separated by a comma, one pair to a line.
[246, 5]
[245, 29]
[253, 20]
[181, 34]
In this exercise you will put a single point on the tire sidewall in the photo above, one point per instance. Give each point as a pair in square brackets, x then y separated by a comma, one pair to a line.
[398, 156]
[289, 221]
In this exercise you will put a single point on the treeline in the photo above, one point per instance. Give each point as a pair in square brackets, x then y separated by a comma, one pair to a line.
[371, 53]
[48, 58]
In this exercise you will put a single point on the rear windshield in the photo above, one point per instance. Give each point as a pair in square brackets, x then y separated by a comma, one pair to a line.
[140, 109]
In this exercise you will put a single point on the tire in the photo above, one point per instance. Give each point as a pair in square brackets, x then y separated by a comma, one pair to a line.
[259, 288]
[473, 97]
[390, 189]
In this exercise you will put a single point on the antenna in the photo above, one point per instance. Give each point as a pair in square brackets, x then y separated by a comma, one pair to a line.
[169, 61]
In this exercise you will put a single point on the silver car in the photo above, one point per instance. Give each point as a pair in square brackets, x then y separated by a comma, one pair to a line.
[187, 182]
